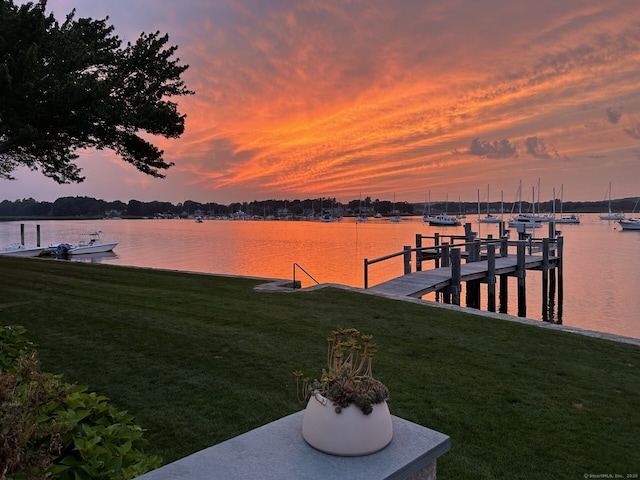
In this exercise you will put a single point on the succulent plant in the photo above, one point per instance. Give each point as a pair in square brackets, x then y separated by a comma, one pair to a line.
[348, 377]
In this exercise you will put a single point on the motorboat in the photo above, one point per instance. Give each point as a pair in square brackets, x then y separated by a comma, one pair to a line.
[94, 245]
[568, 219]
[327, 217]
[489, 219]
[630, 223]
[56, 249]
[444, 220]
[19, 250]
[526, 221]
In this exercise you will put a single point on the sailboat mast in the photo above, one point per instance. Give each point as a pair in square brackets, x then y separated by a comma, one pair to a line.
[487, 199]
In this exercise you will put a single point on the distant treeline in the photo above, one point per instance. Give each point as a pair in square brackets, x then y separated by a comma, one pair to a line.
[83, 207]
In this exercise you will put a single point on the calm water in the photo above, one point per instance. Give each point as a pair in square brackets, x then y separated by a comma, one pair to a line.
[601, 263]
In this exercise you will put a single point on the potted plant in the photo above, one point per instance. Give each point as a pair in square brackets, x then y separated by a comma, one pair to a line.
[347, 412]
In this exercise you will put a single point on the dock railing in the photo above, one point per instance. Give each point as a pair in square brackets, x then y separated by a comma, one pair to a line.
[471, 249]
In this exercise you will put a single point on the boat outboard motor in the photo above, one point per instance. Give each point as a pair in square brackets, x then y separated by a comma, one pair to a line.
[63, 249]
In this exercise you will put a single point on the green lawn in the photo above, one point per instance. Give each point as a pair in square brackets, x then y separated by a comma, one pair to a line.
[199, 359]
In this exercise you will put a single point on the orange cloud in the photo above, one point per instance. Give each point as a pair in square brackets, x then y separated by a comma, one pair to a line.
[297, 98]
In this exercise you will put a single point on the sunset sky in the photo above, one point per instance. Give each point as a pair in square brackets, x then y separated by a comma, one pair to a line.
[304, 99]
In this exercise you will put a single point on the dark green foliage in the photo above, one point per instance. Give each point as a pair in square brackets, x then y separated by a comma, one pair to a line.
[56, 430]
[71, 85]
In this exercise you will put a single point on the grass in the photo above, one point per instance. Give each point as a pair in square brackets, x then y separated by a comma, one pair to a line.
[199, 359]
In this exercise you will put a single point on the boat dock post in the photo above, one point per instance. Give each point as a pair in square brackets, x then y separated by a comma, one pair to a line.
[22, 235]
[487, 261]
[491, 278]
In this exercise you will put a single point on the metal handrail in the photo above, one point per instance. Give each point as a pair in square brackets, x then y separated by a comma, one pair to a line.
[307, 273]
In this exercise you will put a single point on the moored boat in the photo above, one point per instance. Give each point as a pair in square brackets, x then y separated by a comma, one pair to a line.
[327, 217]
[395, 218]
[444, 220]
[572, 219]
[94, 245]
[630, 223]
[488, 218]
[610, 215]
[362, 217]
[523, 220]
[526, 221]
[568, 219]
[19, 250]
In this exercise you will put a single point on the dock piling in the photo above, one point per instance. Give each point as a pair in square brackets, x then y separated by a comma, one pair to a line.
[455, 276]
[520, 275]
[487, 261]
[491, 278]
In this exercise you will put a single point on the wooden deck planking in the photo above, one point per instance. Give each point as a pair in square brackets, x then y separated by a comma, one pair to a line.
[417, 284]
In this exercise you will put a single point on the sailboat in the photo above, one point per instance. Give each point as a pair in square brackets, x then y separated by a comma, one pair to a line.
[361, 216]
[426, 215]
[395, 218]
[570, 219]
[460, 214]
[630, 223]
[328, 216]
[539, 217]
[526, 221]
[611, 216]
[488, 218]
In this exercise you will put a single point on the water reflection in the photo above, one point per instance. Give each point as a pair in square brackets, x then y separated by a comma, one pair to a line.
[599, 268]
[89, 257]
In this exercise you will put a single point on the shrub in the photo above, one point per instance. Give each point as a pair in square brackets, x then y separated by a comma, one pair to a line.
[52, 429]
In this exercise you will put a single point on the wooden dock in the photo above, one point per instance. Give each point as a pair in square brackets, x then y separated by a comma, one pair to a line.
[476, 261]
[417, 284]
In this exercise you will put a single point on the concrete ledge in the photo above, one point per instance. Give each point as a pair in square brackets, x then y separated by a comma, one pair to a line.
[277, 451]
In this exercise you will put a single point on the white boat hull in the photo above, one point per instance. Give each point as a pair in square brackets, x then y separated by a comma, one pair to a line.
[612, 217]
[94, 247]
[444, 221]
[630, 224]
[525, 221]
[17, 250]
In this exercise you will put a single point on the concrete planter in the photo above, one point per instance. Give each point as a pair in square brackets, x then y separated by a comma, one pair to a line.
[349, 433]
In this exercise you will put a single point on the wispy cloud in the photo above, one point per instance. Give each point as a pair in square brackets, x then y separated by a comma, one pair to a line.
[302, 97]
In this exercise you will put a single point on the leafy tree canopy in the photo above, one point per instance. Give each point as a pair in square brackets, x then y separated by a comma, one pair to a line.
[69, 86]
